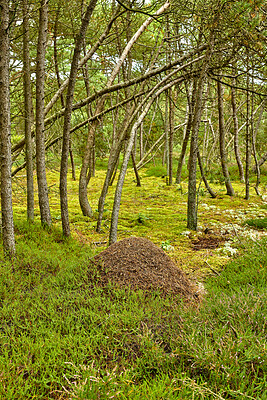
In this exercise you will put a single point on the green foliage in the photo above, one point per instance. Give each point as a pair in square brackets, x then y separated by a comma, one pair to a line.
[215, 175]
[142, 218]
[259, 223]
[158, 171]
[166, 245]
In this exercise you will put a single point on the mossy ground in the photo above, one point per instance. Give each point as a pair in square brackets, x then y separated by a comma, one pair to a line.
[63, 337]
[155, 211]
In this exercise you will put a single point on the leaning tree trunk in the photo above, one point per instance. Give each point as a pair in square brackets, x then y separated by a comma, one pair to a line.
[5, 139]
[229, 188]
[203, 176]
[28, 111]
[117, 198]
[67, 118]
[40, 139]
[115, 150]
[84, 203]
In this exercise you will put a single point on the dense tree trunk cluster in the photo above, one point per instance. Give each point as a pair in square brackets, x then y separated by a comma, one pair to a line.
[130, 82]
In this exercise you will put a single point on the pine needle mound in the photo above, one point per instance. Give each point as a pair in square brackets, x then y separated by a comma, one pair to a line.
[139, 264]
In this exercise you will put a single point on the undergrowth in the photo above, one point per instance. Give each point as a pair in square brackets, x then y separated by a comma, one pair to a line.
[63, 337]
[258, 223]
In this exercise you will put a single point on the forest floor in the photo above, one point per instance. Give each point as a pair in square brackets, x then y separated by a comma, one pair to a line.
[73, 328]
[158, 212]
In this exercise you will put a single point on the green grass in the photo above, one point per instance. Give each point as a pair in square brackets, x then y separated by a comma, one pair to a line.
[258, 223]
[158, 171]
[62, 336]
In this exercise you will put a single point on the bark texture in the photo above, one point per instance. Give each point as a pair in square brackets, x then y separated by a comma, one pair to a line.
[191, 103]
[40, 139]
[5, 142]
[67, 118]
[229, 188]
[236, 136]
[117, 198]
[28, 111]
[248, 147]
[84, 203]
[192, 164]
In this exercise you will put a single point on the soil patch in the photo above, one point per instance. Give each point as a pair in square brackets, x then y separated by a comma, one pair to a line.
[209, 240]
[139, 264]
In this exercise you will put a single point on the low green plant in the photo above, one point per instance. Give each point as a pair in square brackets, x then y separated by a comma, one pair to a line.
[158, 171]
[258, 223]
[166, 245]
[142, 218]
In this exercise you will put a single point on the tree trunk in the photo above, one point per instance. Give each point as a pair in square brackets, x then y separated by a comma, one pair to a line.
[262, 160]
[236, 133]
[191, 104]
[59, 85]
[28, 112]
[247, 183]
[138, 181]
[192, 164]
[5, 139]
[209, 189]
[229, 188]
[118, 192]
[67, 118]
[115, 150]
[165, 157]
[84, 203]
[40, 140]
[171, 129]
[56, 57]
[258, 163]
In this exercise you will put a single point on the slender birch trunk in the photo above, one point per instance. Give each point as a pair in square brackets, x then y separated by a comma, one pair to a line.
[171, 130]
[248, 150]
